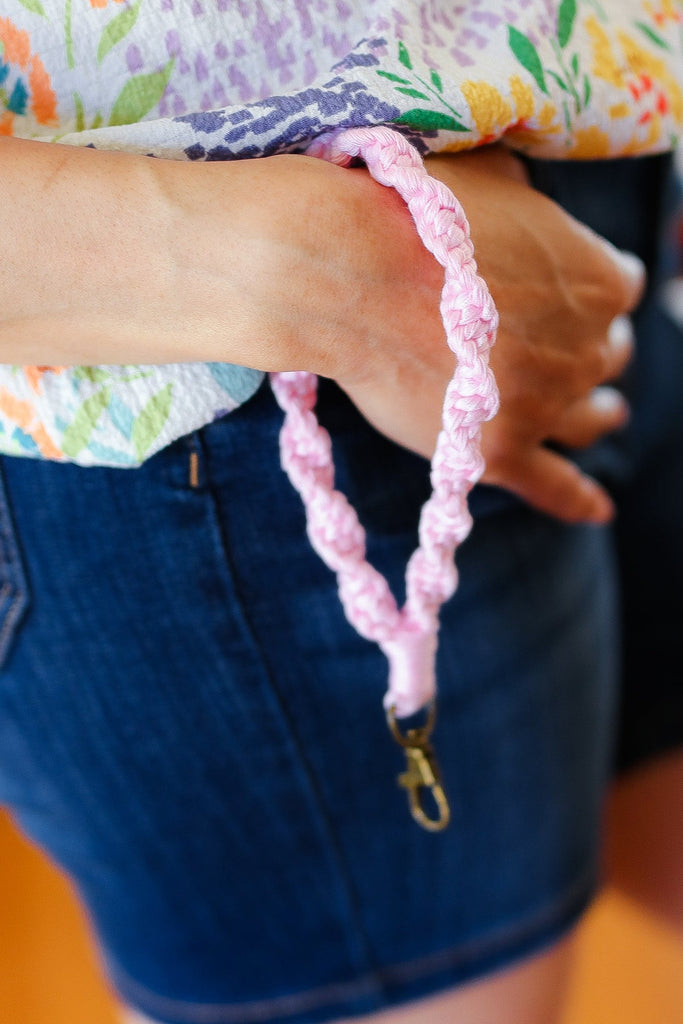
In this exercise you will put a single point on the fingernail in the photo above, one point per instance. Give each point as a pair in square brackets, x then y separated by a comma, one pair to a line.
[628, 262]
[610, 401]
[603, 507]
[620, 332]
[631, 265]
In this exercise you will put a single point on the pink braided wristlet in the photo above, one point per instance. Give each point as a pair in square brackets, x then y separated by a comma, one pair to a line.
[408, 636]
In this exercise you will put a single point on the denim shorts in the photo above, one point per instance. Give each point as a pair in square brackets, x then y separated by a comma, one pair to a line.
[189, 726]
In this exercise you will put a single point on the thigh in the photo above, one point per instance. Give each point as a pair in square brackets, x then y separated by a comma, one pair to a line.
[190, 727]
[644, 836]
[532, 992]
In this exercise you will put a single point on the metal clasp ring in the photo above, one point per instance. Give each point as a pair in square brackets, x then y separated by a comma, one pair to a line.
[422, 772]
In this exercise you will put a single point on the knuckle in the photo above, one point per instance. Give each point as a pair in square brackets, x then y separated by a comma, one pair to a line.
[496, 455]
[569, 495]
[596, 363]
[565, 495]
[613, 289]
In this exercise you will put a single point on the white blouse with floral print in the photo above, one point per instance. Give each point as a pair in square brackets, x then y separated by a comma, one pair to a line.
[219, 79]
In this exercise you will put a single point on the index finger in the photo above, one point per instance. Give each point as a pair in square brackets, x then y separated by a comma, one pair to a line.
[552, 484]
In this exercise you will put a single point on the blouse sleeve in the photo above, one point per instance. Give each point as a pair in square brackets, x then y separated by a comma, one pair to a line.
[555, 79]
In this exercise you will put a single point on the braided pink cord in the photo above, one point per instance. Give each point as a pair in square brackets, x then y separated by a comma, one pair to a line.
[408, 636]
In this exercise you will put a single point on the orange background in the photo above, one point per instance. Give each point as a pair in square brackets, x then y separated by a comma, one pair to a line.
[630, 968]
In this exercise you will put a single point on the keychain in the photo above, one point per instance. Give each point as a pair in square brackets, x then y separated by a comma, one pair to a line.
[407, 636]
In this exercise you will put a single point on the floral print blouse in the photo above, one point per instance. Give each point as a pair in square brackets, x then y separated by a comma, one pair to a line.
[220, 79]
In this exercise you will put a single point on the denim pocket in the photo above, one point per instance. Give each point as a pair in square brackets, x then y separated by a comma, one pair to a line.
[14, 592]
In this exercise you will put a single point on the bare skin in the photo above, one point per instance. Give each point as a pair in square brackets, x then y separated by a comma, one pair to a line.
[289, 263]
[644, 855]
[296, 264]
[531, 992]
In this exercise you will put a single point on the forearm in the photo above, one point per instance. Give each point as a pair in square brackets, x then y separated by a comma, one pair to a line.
[279, 264]
[116, 258]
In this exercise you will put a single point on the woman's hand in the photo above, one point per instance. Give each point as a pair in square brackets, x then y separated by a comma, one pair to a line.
[292, 263]
[562, 294]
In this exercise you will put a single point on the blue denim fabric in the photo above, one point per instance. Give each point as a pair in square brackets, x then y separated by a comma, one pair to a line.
[190, 727]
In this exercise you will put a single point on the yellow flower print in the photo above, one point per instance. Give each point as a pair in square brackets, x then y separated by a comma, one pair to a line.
[517, 116]
[495, 115]
[667, 10]
[605, 64]
[650, 89]
[590, 143]
[652, 83]
[523, 97]
[529, 124]
[491, 113]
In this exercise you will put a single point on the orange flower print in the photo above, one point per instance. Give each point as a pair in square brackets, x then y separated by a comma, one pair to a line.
[25, 416]
[103, 3]
[648, 95]
[25, 87]
[654, 88]
[664, 12]
[34, 375]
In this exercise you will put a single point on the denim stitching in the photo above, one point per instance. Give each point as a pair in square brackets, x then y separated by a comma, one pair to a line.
[338, 863]
[14, 593]
[560, 913]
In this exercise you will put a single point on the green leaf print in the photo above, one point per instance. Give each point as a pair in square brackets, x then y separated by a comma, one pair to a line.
[652, 35]
[68, 36]
[77, 434]
[140, 95]
[148, 424]
[429, 120]
[586, 90]
[413, 93]
[117, 29]
[95, 374]
[393, 78]
[436, 79]
[433, 93]
[404, 57]
[35, 6]
[565, 21]
[599, 10]
[560, 81]
[80, 112]
[527, 55]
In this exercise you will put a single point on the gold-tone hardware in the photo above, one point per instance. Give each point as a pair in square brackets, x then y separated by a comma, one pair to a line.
[422, 771]
[194, 469]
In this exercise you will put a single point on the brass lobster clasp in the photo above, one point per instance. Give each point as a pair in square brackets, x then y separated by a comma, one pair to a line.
[422, 774]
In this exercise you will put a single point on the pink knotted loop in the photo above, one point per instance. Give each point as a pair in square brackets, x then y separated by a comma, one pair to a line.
[368, 602]
[408, 636]
[299, 387]
[412, 675]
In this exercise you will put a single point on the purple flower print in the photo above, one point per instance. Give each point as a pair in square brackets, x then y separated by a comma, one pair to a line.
[134, 58]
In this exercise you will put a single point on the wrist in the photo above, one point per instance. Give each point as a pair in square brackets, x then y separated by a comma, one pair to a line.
[242, 242]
